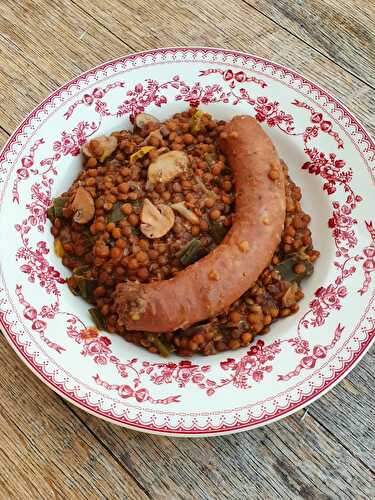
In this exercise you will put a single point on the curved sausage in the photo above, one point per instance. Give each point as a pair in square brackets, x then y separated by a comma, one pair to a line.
[213, 283]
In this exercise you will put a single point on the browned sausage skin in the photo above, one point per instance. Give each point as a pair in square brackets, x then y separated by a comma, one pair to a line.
[212, 284]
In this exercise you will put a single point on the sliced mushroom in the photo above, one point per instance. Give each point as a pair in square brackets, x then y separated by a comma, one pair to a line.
[185, 212]
[167, 166]
[100, 147]
[156, 222]
[83, 206]
[143, 119]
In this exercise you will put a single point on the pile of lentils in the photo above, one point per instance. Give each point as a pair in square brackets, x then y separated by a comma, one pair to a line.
[100, 237]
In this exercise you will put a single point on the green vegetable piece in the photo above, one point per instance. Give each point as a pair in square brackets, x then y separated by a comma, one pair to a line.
[58, 205]
[51, 214]
[86, 285]
[191, 252]
[111, 242]
[217, 231]
[88, 240]
[80, 271]
[134, 203]
[73, 289]
[98, 318]
[210, 158]
[207, 191]
[160, 346]
[286, 267]
[116, 214]
[56, 209]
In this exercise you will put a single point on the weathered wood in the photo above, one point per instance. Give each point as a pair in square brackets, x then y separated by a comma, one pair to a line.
[3, 137]
[347, 413]
[37, 57]
[82, 35]
[328, 453]
[45, 451]
[342, 30]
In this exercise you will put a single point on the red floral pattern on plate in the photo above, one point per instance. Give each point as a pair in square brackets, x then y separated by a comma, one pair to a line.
[368, 256]
[233, 78]
[26, 169]
[330, 169]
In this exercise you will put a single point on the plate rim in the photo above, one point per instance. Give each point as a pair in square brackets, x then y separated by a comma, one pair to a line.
[225, 429]
[192, 434]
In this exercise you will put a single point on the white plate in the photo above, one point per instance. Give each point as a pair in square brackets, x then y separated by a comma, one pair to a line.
[330, 156]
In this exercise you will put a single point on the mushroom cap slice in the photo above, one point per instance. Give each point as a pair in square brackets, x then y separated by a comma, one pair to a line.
[167, 166]
[156, 221]
[100, 147]
[83, 206]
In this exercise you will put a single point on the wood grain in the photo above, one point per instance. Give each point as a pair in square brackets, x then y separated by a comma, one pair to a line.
[49, 449]
[3, 136]
[35, 68]
[343, 30]
[45, 451]
[326, 453]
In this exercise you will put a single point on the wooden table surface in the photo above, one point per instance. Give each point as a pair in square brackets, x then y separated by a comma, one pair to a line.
[49, 448]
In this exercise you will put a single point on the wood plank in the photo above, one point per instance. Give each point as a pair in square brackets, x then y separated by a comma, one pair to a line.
[45, 451]
[3, 137]
[31, 69]
[342, 30]
[347, 413]
[143, 26]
